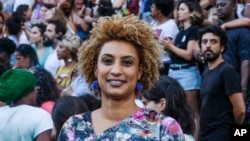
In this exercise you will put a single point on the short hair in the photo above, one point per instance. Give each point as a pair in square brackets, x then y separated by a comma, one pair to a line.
[72, 43]
[59, 26]
[216, 30]
[7, 45]
[27, 51]
[193, 6]
[131, 29]
[165, 6]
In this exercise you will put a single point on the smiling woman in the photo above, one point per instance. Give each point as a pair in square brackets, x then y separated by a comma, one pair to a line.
[119, 61]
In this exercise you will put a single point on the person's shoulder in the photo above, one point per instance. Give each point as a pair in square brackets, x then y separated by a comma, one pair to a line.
[225, 69]
[170, 22]
[238, 31]
[195, 27]
[33, 110]
[226, 66]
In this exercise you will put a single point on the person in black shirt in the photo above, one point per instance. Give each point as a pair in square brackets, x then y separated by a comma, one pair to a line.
[222, 102]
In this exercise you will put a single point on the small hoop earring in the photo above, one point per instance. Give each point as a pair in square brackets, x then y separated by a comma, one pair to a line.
[139, 87]
[70, 60]
[94, 85]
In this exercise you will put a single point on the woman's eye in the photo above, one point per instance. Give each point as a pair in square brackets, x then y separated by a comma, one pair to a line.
[127, 62]
[107, 61]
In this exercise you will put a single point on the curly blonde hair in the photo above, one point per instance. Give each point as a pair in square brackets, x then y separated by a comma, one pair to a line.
[130, 29]
[72, 42]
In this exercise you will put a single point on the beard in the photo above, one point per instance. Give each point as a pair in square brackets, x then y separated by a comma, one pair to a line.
[212, 56]
[48, 42]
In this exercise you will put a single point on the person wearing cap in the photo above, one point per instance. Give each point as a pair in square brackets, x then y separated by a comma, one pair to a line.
[67, 52]
[20, 121]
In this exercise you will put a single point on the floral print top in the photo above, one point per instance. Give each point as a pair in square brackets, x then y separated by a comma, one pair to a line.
[144, 125]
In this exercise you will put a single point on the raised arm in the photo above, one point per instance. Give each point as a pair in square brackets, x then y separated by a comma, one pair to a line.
[242, 22]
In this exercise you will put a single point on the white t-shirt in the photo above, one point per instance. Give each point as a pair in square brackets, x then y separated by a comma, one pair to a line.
[52, 63]
[167, 29]
[23, 123]
[23, 39]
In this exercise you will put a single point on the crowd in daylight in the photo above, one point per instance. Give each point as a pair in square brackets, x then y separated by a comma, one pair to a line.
[116, 70]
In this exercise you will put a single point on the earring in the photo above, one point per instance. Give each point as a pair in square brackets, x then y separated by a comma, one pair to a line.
[69, 59]
[94, 85]
[139, 87]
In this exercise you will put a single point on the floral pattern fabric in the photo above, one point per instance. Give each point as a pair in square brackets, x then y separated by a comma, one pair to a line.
[144, 125]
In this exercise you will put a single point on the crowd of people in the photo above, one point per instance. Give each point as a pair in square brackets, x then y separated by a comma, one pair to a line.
[170, 70]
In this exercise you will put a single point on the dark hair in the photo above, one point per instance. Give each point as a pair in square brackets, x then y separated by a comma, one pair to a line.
[60, 27]
[64, 108]
[7, 45]
[105, 8]
[176, 105]
[13, 23]
[193, 6]
[22, 8]
[27, 51]
[47, 84]
[1, 6]
[165, 6]
[41, 26]
[216, 30]
[48, 5]
[92, 102]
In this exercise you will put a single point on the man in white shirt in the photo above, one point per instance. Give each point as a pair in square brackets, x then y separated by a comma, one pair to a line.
[53, 34]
